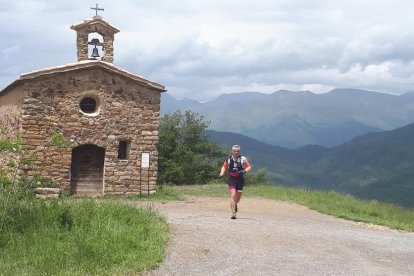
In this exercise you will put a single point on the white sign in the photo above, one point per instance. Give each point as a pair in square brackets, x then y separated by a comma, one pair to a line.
[145, 160]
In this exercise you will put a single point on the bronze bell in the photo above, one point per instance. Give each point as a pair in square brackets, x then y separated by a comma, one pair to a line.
[95, 53]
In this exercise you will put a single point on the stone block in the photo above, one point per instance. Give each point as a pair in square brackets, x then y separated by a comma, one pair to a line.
[47, 193]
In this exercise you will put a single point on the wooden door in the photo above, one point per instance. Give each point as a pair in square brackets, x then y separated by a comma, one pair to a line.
[87, 170]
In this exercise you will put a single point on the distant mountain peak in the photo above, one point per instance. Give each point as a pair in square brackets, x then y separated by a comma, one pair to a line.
[288, 92]
[355, 91]
[185, 99]
[294, 119]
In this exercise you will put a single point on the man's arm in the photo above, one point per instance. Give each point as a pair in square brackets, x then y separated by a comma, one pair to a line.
[224, 168]
[247, 166]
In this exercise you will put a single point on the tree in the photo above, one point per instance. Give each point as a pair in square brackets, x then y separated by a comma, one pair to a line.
[186, 156]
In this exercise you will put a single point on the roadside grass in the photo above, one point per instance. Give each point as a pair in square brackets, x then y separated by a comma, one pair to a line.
[343, 206]
[327, 202]
[82, 237]
[213, 189]
[164, 193]
[168, 192]
[108, 236]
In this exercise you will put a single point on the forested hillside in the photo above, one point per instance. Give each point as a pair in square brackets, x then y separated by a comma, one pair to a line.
[376, 165]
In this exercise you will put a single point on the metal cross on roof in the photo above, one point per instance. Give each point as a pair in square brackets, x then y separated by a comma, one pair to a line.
[97, 9]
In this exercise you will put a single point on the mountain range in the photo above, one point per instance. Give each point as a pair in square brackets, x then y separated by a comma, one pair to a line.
[347, 140]
[372, 166]
[295, 119]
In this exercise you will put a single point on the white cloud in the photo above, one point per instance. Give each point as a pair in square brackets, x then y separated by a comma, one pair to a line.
[200, 49]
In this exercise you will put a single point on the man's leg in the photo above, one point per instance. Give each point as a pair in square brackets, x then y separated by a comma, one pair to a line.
[237, 198]
[233, 201]
[239, 191]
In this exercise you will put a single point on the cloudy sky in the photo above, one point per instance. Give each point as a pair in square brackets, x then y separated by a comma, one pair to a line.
[200, 49]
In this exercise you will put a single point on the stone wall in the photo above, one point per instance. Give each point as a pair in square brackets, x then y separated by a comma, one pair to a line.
[127, 111]
[10, 113]
[10, 120]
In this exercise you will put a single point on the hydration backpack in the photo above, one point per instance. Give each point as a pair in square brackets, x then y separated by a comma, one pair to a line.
[235, 166]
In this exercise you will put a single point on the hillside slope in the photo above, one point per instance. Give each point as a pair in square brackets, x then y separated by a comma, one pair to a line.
[376, 165]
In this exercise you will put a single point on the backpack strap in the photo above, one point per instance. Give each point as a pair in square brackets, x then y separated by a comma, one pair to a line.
[239, 163]
[235, 164]
[230, 161]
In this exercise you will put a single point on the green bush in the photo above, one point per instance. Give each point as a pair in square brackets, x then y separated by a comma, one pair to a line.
[185, 155]
[16, 186]
[257, 178]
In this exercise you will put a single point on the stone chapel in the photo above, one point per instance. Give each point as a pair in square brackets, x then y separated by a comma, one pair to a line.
[109, 116]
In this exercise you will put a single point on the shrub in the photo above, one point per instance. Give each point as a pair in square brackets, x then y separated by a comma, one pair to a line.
[16, 186]
[258, 178]
[186, 156]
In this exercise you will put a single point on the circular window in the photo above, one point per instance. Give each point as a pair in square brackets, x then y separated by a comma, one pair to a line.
[88, 105]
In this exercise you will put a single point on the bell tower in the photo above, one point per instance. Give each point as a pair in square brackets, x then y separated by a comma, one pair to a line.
[88, 38]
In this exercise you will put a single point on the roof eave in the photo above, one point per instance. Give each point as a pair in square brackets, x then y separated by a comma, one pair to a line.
[90, 64]
[93, 21]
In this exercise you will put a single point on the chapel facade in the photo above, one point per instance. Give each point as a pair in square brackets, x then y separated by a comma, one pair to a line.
[107, 117]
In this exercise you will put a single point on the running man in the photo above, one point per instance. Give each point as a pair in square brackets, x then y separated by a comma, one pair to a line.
[237, 166]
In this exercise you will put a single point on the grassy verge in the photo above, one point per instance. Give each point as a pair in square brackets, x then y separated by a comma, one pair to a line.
[109, 237]
[343, 206]
[82, 237]
[332, 203]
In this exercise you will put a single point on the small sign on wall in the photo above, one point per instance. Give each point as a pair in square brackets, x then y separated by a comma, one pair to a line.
[145, 160]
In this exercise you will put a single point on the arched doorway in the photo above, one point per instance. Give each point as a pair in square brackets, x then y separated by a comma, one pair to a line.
[87, 170]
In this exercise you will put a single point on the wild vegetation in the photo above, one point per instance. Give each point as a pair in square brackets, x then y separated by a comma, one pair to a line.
[71, 236]
[185, 155]
[82, 237]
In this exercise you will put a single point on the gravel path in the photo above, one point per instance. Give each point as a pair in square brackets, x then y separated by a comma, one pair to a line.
[277, 238]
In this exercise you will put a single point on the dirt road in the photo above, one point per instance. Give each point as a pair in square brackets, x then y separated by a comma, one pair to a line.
[277, 238]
